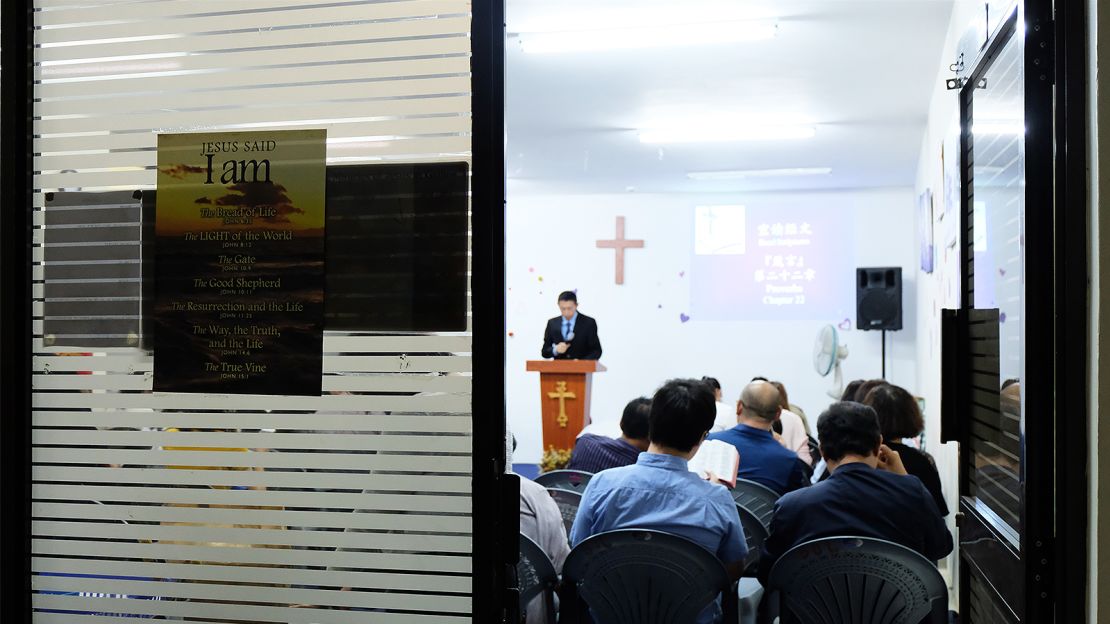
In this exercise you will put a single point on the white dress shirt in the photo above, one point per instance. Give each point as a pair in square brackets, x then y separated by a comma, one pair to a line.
[726, 417]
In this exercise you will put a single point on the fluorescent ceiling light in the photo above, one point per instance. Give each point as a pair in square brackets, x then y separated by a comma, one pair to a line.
[714, 133]
[630, 38]
[741, 174]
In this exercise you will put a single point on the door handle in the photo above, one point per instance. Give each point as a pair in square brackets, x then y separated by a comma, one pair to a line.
[952, 324]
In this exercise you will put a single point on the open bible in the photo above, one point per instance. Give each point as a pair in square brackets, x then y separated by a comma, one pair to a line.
[718, 458]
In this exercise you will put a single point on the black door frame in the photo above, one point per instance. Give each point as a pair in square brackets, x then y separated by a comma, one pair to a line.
[17, 59]
[493, 492]
[1055, 508]
[1072, 299]
[496, 493]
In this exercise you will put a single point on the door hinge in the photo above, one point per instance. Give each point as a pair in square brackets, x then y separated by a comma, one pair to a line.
[1040, 565]
[1042, 56]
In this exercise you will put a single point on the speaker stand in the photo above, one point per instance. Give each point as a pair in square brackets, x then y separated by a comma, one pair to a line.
[884, 356]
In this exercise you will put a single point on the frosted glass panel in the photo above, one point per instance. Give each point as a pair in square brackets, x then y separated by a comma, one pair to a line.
[350, 506]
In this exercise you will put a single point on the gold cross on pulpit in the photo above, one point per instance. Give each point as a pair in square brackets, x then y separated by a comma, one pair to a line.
[562, 394]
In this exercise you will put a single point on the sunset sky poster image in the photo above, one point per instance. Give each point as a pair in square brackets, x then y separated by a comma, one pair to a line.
[239, 262]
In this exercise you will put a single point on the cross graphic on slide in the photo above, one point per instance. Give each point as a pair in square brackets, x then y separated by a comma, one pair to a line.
[620, 243]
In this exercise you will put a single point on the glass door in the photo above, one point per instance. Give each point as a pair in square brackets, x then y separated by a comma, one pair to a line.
[1002, 374]
[371, 494]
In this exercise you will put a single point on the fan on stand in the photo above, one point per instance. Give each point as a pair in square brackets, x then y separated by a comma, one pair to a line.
[828, 352]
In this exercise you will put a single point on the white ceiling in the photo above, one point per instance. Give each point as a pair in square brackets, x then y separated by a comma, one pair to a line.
[862, 71]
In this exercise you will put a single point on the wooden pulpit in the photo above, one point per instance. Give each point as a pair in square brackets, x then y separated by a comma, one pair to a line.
[565, 397]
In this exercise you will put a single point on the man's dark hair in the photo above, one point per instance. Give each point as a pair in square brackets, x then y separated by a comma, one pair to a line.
[760, 378]
[636, 419]
[848, 428]
[568, 295]
[866, 387]
[711, 382]
[898, 412]
[850, 390]
[682, 411]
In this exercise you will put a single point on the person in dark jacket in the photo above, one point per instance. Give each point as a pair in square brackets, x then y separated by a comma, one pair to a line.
[868, 494]
[571, 335]
[899, 418]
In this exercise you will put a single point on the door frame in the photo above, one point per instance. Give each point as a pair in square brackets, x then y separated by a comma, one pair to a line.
[1072, 298]
[1055, 512]
[496, 494]
[16, 82]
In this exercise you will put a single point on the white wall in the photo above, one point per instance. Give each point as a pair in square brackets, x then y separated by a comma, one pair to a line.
[1099, 317]
[935, 291]
[551, 247]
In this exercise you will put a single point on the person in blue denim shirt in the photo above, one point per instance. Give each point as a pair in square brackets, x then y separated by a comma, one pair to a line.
[659, 492]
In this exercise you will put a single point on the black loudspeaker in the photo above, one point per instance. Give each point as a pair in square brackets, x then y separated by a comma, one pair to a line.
[879, 298]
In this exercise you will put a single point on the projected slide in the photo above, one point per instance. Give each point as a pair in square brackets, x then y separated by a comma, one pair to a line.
[755, 263]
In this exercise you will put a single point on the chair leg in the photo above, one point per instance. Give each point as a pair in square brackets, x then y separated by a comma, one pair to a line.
[549, 605]
[768, 612]
[730, 605]
[572, 610]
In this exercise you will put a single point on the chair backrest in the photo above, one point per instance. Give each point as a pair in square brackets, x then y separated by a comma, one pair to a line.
[859, 580]
[814, 450]
[573, 480]
[536, 575]
[637, 576]
[754, 533]
[568, 503]
[756, 498]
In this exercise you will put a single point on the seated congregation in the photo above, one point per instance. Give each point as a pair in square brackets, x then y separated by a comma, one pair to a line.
[630, 533]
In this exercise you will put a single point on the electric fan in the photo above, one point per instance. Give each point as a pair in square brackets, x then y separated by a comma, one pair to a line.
[828, 352]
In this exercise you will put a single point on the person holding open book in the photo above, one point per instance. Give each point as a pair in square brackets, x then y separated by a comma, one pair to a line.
[762, 458]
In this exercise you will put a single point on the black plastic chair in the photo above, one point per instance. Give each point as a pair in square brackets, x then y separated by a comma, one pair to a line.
[535, 576]
[573, 480]
[814, 452]
[637, 576]
[754, 533]
[859, 580]
[756, 498]
[749, 593]
[568, 503]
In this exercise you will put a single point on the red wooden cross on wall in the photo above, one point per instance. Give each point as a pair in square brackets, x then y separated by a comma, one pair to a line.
[619, 244]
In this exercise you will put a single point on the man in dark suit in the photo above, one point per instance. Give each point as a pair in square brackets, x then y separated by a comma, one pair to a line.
[868, 494]
[571, 335]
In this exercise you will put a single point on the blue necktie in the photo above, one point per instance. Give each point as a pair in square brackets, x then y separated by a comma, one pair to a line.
[566, 329]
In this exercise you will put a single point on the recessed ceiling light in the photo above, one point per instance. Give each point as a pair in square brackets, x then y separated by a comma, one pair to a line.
[630, 38]
[740, 174]
[719, 132]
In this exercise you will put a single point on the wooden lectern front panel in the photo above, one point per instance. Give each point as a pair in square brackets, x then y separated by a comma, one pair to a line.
[565, 400]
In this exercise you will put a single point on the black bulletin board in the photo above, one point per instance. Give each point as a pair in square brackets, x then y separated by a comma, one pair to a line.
[397, 247]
